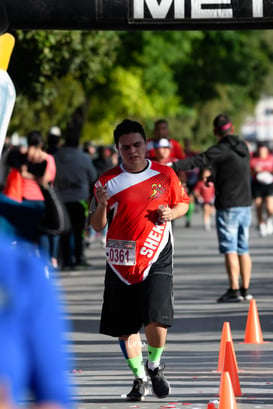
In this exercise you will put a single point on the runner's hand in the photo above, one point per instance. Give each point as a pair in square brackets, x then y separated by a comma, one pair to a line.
[102, 196]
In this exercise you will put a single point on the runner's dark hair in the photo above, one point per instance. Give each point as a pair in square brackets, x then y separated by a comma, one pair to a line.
[128, 126]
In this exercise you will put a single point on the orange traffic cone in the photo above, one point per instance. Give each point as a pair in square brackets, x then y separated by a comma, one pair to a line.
[226, 336]
[227, 398]
[253, 333]
[230, 367]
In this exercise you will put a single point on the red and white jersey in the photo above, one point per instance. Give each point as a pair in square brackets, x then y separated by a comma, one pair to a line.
[206, 190]
[264, 164]
[135, 236]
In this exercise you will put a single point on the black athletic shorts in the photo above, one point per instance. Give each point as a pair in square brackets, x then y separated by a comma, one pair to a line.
[261, 189]
[126, 308]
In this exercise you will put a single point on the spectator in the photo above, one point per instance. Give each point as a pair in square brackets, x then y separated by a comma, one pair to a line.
[191, 176]
[74, 179]
[31, 191]
[53, 145]
[102, 163]
[261, 165]
[139, 199]
[90, 148]
[115, 157]
[229, 159]
[20, 219]
[53, 140]
[161, 130]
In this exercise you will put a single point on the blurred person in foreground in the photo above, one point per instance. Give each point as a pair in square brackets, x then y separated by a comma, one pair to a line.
[138, 199]
[230, 161]
[32, 359]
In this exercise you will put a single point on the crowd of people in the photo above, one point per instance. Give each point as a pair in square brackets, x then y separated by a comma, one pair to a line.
[62, 155]
[25, 170]
[102, 186]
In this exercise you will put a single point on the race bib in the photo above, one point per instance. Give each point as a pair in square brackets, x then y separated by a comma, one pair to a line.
[121, 252]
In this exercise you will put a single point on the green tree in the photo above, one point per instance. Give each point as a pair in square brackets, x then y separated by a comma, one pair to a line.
[225, 73]
[91, 80]
[54, 73]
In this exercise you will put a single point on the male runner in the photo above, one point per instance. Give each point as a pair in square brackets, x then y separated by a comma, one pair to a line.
[138, 199]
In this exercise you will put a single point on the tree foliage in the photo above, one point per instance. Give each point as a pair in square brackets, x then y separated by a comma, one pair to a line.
[55, 72]
[98, 78]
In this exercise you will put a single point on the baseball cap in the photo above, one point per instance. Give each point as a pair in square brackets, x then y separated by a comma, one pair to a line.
[222, 123]
[162, 143]
[55, 130]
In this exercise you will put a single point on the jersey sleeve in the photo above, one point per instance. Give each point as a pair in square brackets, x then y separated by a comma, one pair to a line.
[178, 192]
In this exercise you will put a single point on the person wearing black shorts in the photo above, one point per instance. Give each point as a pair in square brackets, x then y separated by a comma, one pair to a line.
[138, 199]
[261, 165]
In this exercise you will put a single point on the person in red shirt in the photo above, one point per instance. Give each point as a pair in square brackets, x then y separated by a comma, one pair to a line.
[204, 192]
[161, 130]
[261, 166]
[162, 150]
[138, 199]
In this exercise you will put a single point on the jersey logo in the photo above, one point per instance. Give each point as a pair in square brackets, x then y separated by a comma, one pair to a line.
[182, 189]
[158, 191]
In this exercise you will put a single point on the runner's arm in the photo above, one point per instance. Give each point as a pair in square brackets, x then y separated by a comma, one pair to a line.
[168, 214]
[98, 212]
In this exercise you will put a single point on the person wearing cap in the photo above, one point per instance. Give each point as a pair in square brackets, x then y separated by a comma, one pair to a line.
[138, 199]
[261, 165]
[162, 149]
[230, 161]
[53, 140]
[161, 131]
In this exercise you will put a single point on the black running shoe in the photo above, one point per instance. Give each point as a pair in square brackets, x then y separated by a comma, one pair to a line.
[139, 390]
[160, 385]
[231, 296]
[246, 294]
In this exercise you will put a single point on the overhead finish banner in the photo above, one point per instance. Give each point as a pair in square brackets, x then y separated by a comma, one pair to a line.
[136, 14]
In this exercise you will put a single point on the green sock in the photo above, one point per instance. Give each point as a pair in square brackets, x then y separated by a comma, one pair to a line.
[154, 354]
[137, 367]
[190, 211]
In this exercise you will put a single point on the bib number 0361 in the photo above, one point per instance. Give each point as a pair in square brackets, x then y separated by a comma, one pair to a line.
[121, 252]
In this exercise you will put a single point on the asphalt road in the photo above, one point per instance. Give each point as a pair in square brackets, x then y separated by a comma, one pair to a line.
[98, 373]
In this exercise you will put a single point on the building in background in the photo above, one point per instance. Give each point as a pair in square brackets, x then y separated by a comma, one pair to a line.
[260, 126]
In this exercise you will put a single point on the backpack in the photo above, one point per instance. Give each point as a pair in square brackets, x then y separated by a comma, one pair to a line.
[56, 219]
